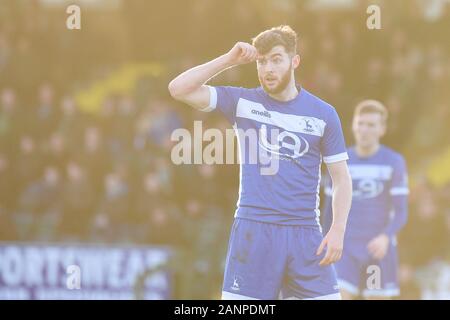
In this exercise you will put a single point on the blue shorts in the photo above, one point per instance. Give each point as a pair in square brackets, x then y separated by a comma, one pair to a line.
[269, 261]
[360, 274]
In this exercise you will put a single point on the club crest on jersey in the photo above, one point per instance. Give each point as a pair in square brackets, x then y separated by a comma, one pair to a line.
[308, 127]
[236, 283]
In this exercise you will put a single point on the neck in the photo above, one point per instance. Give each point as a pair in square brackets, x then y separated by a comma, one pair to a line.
[289, 93]
[368, 151]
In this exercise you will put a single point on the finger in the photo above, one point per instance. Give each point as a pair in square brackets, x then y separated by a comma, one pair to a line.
[251, 49]
[243, 52]
[372, 248]
[376, 249]
[339, 256]
[379, 254]
[247, 55]
[326, 260]
[336, 255]
[322, 245]
[243, 48]
[252, 54]
[333, 256]
[243, 45]
[376, 254]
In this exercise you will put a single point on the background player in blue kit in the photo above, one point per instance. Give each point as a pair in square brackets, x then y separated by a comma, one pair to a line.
[276, 246]
[378, 212]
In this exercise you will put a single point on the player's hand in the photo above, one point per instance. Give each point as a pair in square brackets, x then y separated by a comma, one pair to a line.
[378, 246]
[242, 53]
[334, 241]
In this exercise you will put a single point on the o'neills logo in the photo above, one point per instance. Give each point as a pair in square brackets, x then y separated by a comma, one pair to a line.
[262, 113]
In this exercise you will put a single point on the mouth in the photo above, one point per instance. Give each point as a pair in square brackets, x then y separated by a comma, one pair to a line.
[270, 79]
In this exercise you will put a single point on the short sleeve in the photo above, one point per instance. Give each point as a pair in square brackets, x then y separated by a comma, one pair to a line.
[399, 182]
[333, 146]
[225, 99]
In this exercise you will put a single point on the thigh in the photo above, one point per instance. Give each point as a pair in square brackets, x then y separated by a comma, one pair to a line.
[255, 261]
[349, 270]
[305, 278]
[382, 278]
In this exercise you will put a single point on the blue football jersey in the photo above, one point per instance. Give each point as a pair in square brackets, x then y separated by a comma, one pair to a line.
[380, 183]
[281, 147]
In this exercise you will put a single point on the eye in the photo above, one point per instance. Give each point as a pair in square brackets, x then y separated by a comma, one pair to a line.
[276, 60]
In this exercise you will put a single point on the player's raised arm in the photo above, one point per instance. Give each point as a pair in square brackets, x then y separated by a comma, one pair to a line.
[189, 87]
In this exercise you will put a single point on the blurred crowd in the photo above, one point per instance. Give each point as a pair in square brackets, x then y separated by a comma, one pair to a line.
[66, 176]
[71, 176]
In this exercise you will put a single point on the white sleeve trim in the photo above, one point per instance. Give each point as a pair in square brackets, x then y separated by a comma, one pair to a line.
[212, 100]
[336, 158]
[399, 191]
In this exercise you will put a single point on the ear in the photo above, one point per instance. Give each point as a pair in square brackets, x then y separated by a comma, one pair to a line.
[296, 61]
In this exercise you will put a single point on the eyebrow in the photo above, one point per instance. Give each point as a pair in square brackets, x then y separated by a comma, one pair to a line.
[273, 55]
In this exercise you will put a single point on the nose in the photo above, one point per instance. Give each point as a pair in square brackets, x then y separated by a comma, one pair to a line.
[364, 129]
[269, 68]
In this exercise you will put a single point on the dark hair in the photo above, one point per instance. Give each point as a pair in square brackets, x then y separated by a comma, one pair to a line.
[282, 35]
